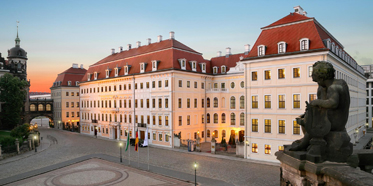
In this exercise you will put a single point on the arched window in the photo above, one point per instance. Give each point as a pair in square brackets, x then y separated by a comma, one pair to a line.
[40, 107]
[208, 118]
[233, 119]
[223, 102]
[48, 107]
[233, 102]
[223, 134]
[223, 118]
[242, 102]
[216, 102]
[242, 119]
[32, 107]
[208, 102]
[215, 118]
[216, 134]
[208, 133]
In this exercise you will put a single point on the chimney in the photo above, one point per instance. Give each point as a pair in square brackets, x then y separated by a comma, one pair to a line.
[149, 41]
[172, 35]
[299, 10]
[81, 66]
[138, 43]
[218, 54]
[120, 49]
[247, 49]
[228, 52]
[75, 65]
[112, 51]
[129, 47]
[159, 38]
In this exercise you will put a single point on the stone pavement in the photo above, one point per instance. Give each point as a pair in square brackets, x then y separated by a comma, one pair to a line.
[73, 146]
[363, 141]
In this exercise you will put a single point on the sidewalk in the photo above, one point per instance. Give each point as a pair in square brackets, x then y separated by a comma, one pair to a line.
[44, 144]
[363, 141]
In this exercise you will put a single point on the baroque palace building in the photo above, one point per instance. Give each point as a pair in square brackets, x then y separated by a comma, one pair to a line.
[65, 95]
[253, 96]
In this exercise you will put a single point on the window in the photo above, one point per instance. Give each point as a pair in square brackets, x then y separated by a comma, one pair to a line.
[254, 76]
[281, 126]
[281, 73]
[267, 74]
[254, 101]
[179, 102]
[32, 107]
[261, 50]
[166, 103]
[203, 67]
[194, 65]
[304, 44]
[296, 100]
[233, 102]
[202, 85]
[215, 118]
[160, 136]
[188, 119]
[180, 120]
[254, 125]
[312, 97]
[222, 85]
[153, 84]
[223, 118]
[154, 136]
[67, 113]
[215, 134]
[142, 67]
[195, 84]
[195, 102]
[182, 64]
[242, 102]
[296, 72]
[254, 148]
[233, 119]
[215, 70]
[166, 83]
[203, 118]
[180, 83]
[159, 84]
[232, 85]
[223, 69]
[281, 47]
[147, 103]
[154, 122]
[281, 101]
[159, 120]
[281, 148]
[154, 65]
[207, 118]
[67, 93]
[203, 103]
[159, 103]
[296, 127]
[208, 133]
[267, 99]
[167, 138]
[242, 119]
[215, 102]
[267, 126]
[188, 102]
[166, 120]
[208, 102]
[267, 149]
[242, 84]
[147, 84]
[67, 104]
[188, 84]
[310, 70]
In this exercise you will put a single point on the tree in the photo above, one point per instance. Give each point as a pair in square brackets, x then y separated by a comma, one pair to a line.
[12, 96]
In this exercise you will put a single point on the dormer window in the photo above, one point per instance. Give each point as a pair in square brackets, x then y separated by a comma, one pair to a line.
[193, 64]
[281, 47]
[304, 44]
[88, 76]
[223, 69]
[215, 70]
[182, 64]
[155, 65]
[329, 44]
[116, 69]
[107, 73]
[261, 50]
[203, 67]
[333, 47]
[69, 83]
[95, 76]
[76, 83]
[336, 50]
[142, 67]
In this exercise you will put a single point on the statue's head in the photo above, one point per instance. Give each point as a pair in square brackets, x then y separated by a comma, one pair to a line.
[322, 71]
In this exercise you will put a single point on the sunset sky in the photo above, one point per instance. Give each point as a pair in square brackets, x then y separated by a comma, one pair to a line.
[56, 34]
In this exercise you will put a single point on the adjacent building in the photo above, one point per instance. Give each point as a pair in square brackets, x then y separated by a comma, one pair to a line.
[65, 95]
[368, 70]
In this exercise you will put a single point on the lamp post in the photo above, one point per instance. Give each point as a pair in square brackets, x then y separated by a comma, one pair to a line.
[195, 173]
[120, 147]
[35, 143]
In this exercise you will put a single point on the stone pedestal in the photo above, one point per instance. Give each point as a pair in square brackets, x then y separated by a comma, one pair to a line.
[213, 145]
[198, 146]
[339, 147]
[17, 145]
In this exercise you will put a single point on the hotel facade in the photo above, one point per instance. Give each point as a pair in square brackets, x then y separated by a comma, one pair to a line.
[253, 96]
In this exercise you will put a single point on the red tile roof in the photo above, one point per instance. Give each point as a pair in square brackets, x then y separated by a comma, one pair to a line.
[227, 61]
[71, 74]
[292, 17]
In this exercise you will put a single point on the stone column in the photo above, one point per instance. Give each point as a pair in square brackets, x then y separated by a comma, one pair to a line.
[213, 145]
[17, 145]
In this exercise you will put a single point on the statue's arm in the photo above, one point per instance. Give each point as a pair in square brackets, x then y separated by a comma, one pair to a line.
[330, 103]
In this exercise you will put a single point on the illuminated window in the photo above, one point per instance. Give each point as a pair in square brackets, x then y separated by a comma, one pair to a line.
[296, 127]
[188, 119]
[254, 101]
[254, 125]
[208, 118]
[41, 107]
[208, 102]
[267, 74]
[32, 107]
[254, 148]
[267, 126]
[267, 149]
[242, 102]
[188, 102]
[159, 120]
[267, 99]
[296, 72]
[312, 97]
[281, 126]
[180, 120]
[233, 119]
[215, 102]
[281, 73]
[179, 103]
[310, 70]
[296, 100]
[242, 119]
[281, 101]
[254, 76]
[280, 148]
[233, 102]
[223, 118]
[215, 118]
[160, 137]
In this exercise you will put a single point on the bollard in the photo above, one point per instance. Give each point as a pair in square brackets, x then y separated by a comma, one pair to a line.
[17, 145]
[1, 156]
[29, 142]
[213, 143]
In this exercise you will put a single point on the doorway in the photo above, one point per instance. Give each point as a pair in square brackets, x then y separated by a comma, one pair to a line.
[116, 132]
[142, 135]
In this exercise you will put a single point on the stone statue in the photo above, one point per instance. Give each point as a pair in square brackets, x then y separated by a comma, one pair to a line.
[323, 124]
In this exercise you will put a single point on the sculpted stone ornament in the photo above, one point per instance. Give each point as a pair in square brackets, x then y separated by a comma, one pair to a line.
[323, 124]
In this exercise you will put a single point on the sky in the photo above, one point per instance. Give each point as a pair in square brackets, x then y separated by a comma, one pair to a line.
[57, 34]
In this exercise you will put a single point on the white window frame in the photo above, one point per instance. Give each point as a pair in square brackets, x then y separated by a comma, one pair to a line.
[300, 102]
[68, 83]
[309, 71]
[264, 126]
[154, 65]
[292, 128]
[95, 75]
[225, 69]
[88, 77]
[182, 64]
[278, 101]
[278, 75]
[251, 124]
[116, 70]
[278, 127]
[194, 66]
[125, 70]
[215, 70]
[107, 73]
[333, 47]
[264, 101]
[300, 74]
[261, 52]
[203, 67]
[142, 67]
[284, 48]
[76, 83]
[307, 42]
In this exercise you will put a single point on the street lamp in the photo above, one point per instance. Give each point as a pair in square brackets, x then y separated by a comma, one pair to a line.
[35, 143]
[120, 147]
[195, 173]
